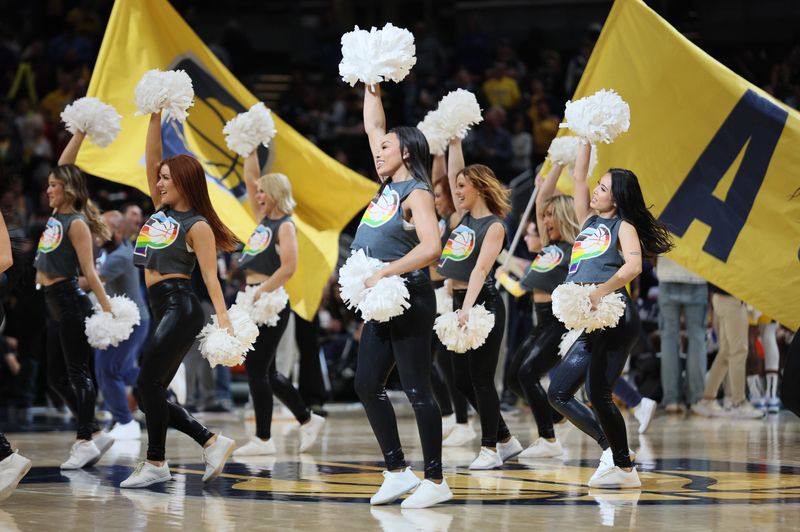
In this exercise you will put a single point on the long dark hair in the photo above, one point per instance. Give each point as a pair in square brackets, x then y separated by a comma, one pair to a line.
[418, 163]
[654, 236]
[190, 181]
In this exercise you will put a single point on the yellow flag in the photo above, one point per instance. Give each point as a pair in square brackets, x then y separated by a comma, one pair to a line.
[718, 158]
[146, 34]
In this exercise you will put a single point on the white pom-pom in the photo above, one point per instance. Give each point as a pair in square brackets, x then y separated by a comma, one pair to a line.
[377, 55]
[387, 299]
[444, 301]
[567, 339]
[104, 329]
[98, 120]
[265, 311]
[353, 274]
[459, 111]
[600, 117]
[220, 347]
[462, 339]
[435, 132]
[170, 91]
[244, 132]
[571, 305]
[564, 151]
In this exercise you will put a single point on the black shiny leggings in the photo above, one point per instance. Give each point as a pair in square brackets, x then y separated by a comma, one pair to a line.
[177, 318]
[537, 355]
[597, 358]
[790, 384]
[406, 341]
[69, 353]
[264, 379]
[474, 370]
[454, 401]
[5, 447]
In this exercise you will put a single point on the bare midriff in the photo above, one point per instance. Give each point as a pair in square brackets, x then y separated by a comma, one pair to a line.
[252, 277]
[45, 280]
[152, 277]
[540, 296]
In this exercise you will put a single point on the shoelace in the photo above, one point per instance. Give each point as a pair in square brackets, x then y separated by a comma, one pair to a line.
[138, 469]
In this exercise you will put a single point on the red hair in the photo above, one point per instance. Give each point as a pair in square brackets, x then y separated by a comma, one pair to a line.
[190, 181]
[446, 192]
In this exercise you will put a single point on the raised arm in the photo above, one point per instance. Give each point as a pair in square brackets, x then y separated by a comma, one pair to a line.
[439, 168]
[287, 239]
[252, 171]
[70, 153]
[81, 239]
[581, 188]
[631, 254]
[201, 238]
[374, 117]
[545, 191]
[455, 164]
[6, 257]
[152, 156]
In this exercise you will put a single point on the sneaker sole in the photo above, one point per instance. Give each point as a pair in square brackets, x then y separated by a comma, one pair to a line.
[485, 468]
[11, 487]
[512, 456]
[438, 500]
[615, 486]
[102, 450]
[150, 483]
[523, 455]
[392, 499]
[221, 465]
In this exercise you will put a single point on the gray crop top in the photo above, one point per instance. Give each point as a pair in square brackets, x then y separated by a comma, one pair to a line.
[595, 254]
[549, 268]
[383, 233]
[55, 254]
[161, 244]
[260, 253]
[460, 254]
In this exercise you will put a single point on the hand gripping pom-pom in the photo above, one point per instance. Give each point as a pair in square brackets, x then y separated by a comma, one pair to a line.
[459, 111]
[245, 131]
[435, 132]
[571, 305]
[462, 339]
[105, 329]
[564, 151]
[352, 275]
[219, 347]
[444, 301]
[387, 299]
[98, 120]
[377, 55]
[169, 91]
[600, 117]
[265, 311]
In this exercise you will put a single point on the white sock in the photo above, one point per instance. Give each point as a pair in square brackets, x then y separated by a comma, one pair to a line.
[772, 385]
[754, 387]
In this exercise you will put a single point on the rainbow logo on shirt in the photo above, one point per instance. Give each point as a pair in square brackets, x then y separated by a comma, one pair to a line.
[549, 258]
[459, 246]
[590, 243]
[159, 232]
[258, 241]
[51, 237]
[381, 211]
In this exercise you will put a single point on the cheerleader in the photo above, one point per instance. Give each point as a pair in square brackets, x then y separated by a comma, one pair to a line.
[481, 202]
[65, 250]
[183, 231]
[617, 227]
[269, 260]
[399, 228]
[13, 466]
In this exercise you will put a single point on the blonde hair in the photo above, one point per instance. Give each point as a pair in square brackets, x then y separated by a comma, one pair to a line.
[491, 190]
[564, 214]
[77, 195]
[278, 187]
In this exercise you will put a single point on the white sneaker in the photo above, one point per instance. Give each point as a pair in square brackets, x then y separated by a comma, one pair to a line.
[216, 455]
[448, 424]
[178, 384]
[103, 442]
[643, 412]
[256, 447]
[708, 408]
[12, 469]
[607, 462]
[746, 411]
[542, 448]
[82, 452]
[146, 474]
[126, 431]
[509, 449]
[487, 459]
[427, 494]
[309, 432]
[395, 485]
[616, 477]
[461, 434]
